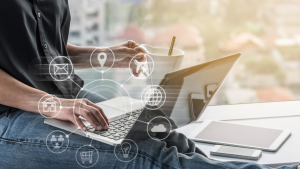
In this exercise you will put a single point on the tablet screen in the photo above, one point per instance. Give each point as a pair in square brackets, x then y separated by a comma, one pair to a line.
[239, 134]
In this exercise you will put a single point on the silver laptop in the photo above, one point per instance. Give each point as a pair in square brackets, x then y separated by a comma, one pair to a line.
[180, 106]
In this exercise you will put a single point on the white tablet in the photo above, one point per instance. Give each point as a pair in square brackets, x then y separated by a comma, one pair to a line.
[226, 133]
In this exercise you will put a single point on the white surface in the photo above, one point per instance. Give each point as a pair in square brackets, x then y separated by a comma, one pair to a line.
[287, 153]
[232, 151]
[255, 110]
[123, 104]
[273, 147]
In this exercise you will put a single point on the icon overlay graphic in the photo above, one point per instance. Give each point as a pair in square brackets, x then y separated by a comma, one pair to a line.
[49, 103]
[87, 156]
[97, 87]
[127, 151]
[159, 128]
[125, 147]
[153, 97]
[57, 141]
[61, 68]
[160, 125]
[102, 58]
[146, 68]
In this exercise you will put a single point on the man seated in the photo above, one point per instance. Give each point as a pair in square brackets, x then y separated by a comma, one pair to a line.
[34, 32]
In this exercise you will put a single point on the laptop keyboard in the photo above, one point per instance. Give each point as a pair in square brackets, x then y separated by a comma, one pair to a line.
[118, 128]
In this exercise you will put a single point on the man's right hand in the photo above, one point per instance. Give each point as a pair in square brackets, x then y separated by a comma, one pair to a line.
[18, 95]
[84, 108]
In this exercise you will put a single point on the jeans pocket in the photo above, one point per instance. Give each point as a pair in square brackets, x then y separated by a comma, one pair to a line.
[4, 121]
[2, 114]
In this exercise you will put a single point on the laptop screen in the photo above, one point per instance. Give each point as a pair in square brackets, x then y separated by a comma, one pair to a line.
[181, 97]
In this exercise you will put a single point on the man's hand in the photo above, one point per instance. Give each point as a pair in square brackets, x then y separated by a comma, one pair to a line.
[123, 52]
[18, 95]
[84, 108]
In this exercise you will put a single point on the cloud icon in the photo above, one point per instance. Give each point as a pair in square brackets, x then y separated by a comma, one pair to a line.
[159, 128]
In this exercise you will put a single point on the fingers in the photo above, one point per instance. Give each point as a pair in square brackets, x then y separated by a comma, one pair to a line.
[77, 121]
[91, 114]
[88, 115]
[140, 58]
[100, 110]
[133, 68]
[100, 121]
[131, 52]
[88, 110]
[132, 44]
[124, 52]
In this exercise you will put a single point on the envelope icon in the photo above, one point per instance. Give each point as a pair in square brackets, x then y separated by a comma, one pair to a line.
[61, 69]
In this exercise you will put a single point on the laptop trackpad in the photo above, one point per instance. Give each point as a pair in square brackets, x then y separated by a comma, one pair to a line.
[123, 103]
[111, 113]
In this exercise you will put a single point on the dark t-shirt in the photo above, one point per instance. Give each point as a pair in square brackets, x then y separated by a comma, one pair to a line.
[32, 33]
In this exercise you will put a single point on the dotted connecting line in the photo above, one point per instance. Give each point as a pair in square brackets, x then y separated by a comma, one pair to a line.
[111, 81]
[143, 121]
[122, 86]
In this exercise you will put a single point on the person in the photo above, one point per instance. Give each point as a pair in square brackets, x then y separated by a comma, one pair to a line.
[34, 32]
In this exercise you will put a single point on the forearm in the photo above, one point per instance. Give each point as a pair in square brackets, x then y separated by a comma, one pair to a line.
[117, 56]
[80, 56]
[18, 95]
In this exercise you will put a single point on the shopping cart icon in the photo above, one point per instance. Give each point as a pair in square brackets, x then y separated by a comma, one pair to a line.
[86, 156]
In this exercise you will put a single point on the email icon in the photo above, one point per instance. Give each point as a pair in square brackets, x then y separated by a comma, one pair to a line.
[61, 69]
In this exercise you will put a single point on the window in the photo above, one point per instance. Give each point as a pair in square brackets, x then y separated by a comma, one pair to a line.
[267, 33]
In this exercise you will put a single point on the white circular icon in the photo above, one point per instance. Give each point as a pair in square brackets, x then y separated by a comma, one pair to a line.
[126, 151]
[153, 97]
[49, 104]
[87, 156]
[101, 90]
[57, 141]
[161, 126]
[101, 60]
[61, 68]
[145, 68]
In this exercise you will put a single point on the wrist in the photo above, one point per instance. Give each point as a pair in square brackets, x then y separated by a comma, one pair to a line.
[108, 61]
[37, 103]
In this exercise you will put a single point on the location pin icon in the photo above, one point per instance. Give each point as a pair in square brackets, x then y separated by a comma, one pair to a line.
[102, 60]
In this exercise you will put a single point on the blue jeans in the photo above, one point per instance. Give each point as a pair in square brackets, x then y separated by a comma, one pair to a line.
[23, 136]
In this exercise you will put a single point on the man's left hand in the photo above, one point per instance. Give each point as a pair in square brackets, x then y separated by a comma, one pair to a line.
[124, 52]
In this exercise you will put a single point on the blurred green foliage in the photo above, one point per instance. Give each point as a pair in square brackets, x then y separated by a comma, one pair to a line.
[266, 65]
[232, 16]
[290, 52]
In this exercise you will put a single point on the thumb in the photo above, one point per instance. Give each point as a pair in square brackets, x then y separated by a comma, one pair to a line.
[141, 57]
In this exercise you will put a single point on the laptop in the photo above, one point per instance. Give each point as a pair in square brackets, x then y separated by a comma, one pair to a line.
[177, 91]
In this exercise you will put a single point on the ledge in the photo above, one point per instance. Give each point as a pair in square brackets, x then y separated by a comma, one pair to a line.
[251, 111]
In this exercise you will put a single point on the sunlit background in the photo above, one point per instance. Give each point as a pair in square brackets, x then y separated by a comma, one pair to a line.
[266, 32]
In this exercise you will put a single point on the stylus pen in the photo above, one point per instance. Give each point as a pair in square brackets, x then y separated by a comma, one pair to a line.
[144, 71]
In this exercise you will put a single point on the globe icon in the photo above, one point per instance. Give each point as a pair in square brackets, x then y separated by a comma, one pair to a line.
[153, 97]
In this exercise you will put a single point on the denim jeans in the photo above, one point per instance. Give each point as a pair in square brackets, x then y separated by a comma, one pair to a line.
[23, 136]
